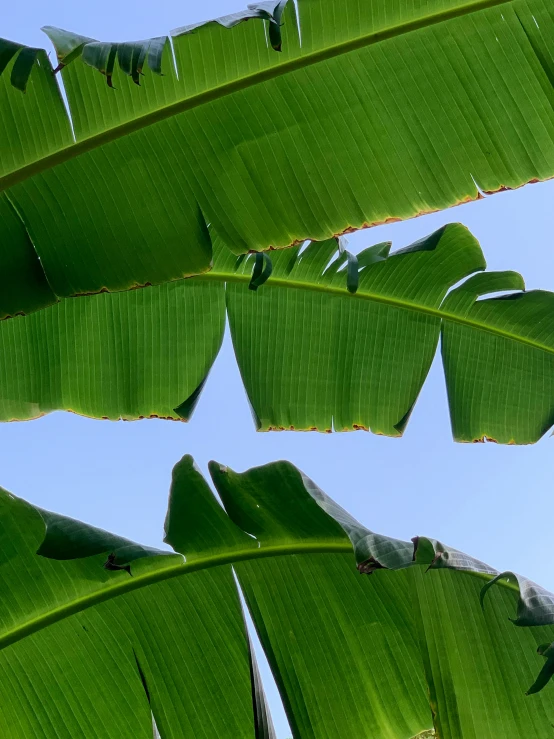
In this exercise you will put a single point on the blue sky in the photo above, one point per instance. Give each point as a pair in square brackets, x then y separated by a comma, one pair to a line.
[493, 502]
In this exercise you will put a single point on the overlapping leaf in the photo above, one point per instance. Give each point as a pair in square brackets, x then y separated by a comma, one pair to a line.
[377, 112]
[314, 352]
[152, 633]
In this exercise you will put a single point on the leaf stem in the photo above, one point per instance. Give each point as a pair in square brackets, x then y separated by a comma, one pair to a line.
[124, 583]
[231, 277]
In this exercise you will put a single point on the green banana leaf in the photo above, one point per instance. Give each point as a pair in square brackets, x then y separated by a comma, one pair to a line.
[100, 637]
[321, 343]
[286, 127]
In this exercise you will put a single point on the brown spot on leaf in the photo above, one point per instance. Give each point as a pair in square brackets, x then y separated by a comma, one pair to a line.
[134, 418]
[110, 564]
[415, 540]
[436, 559]
[368, 566]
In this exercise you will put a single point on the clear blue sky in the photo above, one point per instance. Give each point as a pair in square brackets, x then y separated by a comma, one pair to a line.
[493, 502]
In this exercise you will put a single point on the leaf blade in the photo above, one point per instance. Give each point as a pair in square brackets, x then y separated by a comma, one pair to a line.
[411, 124]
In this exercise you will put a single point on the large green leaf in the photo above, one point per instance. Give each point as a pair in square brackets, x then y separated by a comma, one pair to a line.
[314, 356]
[92, 651]
[320, 344]
[470, 691]
[175, 650]
[378, 112]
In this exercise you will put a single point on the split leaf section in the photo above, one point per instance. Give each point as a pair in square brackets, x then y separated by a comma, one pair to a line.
[371, 115]
[161, 634]
[313, 353]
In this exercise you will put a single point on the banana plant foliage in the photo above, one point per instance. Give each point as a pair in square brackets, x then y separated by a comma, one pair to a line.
[330, 340]
[102, 637]
[311, 119]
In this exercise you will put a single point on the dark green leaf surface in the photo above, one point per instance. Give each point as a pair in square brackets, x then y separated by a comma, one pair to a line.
[378, 114]
[387, 655]
[24, 285]
[314, 353]
[132, 56]
[66, 538]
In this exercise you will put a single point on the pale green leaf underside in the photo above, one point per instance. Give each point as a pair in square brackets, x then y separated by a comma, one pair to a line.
[312, 355]
[385, 655]
[124, 355]
[385, 110]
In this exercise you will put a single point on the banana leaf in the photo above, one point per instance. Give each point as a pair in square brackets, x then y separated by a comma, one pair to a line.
[100, 636]
[309, 120]
[325, 340]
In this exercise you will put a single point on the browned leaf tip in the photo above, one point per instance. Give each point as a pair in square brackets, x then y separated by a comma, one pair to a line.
[161, 418]
[483, 439]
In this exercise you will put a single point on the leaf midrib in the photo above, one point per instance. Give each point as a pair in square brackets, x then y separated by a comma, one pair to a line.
[127, 584]
[100, 139]
[215, 276]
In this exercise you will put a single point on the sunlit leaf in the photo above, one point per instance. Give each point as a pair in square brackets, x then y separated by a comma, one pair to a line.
[367, 114]
[162, 634]
[313, 353]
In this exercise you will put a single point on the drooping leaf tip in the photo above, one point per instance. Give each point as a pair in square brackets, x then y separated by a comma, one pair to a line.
[488, 585]
[262, 270]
